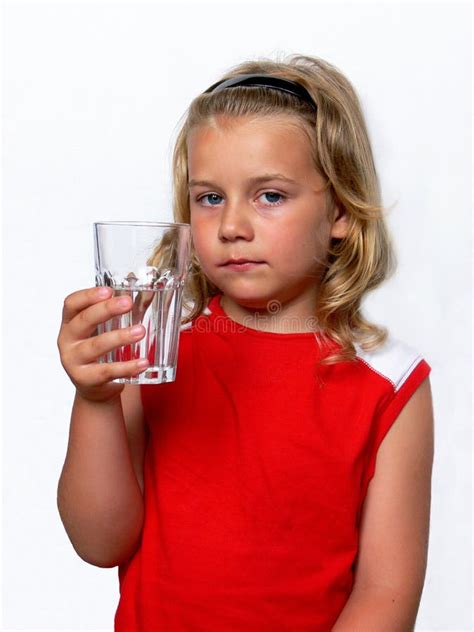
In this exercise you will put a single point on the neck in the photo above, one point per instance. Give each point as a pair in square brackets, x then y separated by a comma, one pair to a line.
[293, 315]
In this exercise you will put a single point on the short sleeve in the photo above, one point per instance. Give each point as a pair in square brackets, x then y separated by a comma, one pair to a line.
[409, 371]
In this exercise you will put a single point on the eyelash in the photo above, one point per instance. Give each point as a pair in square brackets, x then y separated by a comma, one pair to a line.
[283, 198]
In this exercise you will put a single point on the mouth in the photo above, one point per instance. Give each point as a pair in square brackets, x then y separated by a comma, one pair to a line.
[240, 261]
[241, 264]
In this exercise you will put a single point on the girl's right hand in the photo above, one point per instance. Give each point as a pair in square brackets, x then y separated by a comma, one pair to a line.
[79, 349]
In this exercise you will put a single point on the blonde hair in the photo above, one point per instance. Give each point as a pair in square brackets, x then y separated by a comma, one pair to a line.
[341, 152]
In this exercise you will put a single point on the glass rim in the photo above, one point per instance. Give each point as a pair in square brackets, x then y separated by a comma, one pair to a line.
[139, 223]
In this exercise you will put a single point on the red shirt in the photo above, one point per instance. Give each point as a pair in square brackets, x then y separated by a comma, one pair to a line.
[254, 478]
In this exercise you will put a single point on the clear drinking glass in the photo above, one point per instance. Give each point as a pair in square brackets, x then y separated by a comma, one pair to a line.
[148, 261]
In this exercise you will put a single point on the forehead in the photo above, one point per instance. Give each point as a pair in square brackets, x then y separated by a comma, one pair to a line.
[250, 144]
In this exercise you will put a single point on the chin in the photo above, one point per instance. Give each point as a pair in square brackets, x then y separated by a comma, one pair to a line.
[251, 299]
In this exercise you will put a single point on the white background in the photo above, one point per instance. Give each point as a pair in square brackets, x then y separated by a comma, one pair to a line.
[92, 96]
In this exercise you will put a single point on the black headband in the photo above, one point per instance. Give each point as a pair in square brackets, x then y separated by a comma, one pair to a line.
[265, 81]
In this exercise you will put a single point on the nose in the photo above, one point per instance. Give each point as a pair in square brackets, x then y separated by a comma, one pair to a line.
[235, 223]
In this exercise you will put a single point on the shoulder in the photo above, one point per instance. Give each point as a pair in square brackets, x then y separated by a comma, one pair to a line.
[396, 490]
[398, 371]
[401, 399]
[394, 361]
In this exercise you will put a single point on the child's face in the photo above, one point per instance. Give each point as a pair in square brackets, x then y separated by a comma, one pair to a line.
[283, 224]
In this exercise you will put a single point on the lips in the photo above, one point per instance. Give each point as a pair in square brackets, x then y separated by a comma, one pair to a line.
[231, 261]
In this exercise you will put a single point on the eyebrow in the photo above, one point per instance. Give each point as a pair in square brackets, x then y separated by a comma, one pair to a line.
[256, 180]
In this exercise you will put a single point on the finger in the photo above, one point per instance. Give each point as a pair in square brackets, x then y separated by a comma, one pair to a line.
[80, 300]
[91, 349]
[96, 374]
[85, 323]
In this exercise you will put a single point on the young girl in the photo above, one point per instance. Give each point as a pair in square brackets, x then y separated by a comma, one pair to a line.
[282, 481]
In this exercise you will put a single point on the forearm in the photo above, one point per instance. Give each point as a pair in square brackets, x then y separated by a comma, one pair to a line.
[378, 610]
[99, 498]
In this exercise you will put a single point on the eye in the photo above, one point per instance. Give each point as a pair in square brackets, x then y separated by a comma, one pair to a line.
[214, 197]
[208, 195]
[273, 194]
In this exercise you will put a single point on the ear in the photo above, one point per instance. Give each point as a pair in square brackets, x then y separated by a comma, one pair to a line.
[340, 223]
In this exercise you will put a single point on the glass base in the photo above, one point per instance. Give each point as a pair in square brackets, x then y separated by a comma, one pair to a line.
[153, 375]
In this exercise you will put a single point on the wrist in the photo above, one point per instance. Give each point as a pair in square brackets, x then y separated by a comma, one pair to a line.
[99, 400]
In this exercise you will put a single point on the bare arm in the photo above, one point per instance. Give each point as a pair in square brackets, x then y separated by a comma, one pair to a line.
[378, 609]
[99, 499]
[394, 533]
[100, 488]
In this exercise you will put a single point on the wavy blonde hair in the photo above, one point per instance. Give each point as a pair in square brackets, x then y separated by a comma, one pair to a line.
[341, 152]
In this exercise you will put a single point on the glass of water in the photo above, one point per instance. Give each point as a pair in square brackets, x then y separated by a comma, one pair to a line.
[148, 261]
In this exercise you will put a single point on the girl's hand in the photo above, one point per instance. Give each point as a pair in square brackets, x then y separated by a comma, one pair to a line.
[79, 349]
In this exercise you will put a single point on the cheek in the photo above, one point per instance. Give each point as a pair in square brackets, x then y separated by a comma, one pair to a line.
[202, 236]
[299, 247]
[294, 237]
